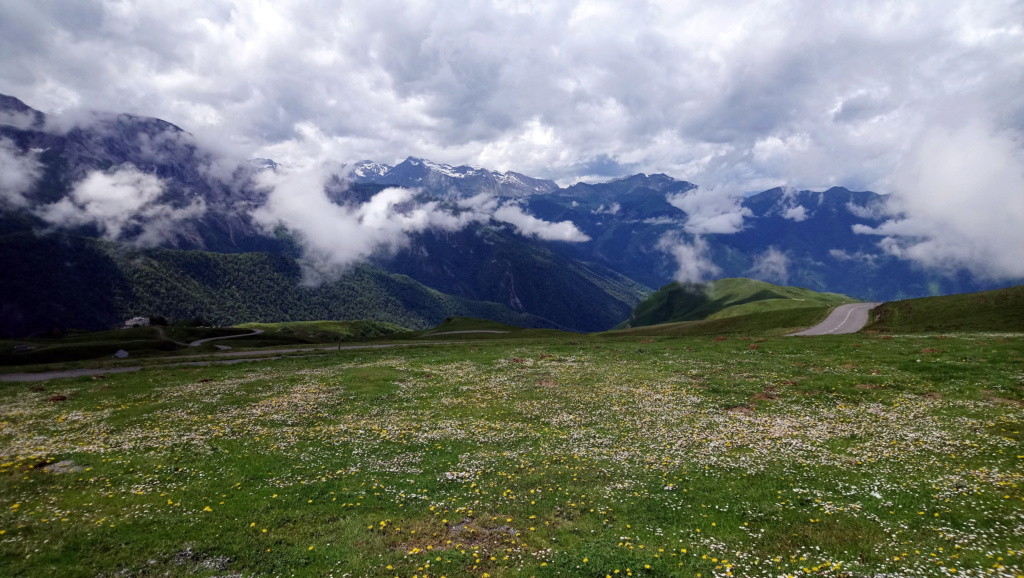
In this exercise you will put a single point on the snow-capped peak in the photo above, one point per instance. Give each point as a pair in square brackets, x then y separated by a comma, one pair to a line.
[449, 171]
[365, 169]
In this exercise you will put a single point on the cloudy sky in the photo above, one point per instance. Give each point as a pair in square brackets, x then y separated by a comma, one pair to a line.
[744, 95]
[922, 100]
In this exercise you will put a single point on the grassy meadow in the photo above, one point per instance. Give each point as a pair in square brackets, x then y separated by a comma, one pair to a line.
[996, 310]
[621, 455]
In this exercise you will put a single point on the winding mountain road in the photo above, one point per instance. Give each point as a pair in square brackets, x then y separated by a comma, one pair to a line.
[198, 342]
[849, 318]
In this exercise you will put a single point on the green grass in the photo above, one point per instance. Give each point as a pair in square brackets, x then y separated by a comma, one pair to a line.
[472, 324]
[81, 345]
[161, 345]
[725, 298]
[998, 310]
[462, 328]
[327, 331]
[541, 456]
[775, 323]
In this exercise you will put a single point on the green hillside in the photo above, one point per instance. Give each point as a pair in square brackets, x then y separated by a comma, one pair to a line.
[77, 282]
[328, 331]
[152, 341]
[724, 298]
[472, 324]
[486, 264]
[461, 328]
[764, 324]
[998, 310]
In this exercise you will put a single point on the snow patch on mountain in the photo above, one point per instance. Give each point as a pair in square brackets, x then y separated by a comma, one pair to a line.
[450, 171]
[447, 180]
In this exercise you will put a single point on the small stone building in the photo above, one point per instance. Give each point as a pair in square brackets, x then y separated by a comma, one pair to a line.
[137, 322]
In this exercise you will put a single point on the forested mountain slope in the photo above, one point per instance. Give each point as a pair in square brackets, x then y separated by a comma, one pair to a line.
[94, 284]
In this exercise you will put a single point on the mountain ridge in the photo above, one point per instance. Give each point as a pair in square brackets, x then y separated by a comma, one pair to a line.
[462, 180]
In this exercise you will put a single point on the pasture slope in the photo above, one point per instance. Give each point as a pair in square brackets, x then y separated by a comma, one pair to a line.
[724, 298]
[328, 331]
[997, 310]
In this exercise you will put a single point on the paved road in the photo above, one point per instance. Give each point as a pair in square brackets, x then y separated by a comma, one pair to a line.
[202, 341]
[849, 318]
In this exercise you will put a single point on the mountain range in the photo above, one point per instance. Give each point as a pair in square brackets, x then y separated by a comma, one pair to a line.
[114, 215]
[459, 181]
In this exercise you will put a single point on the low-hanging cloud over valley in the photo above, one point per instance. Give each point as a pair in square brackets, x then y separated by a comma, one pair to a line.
[120, 199]
[19, 172]
[710, 210]
[692, 258]
[958, 203]
[335, 236]
[772, 266]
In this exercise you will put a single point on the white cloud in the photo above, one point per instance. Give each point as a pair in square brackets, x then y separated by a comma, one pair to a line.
[742, 92]
[484, 207]
[868, 212]
[529, 225]
[711, 210]
[693, 260]
[18, 173]
[335, 236]
[480, 204]
[843, 255]
[771, 266]
[795, 213]
[609, 210]
[21, 120]
[118, 200]
[958, 203]
[744, 95]
[790, 207]
[663, 220]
